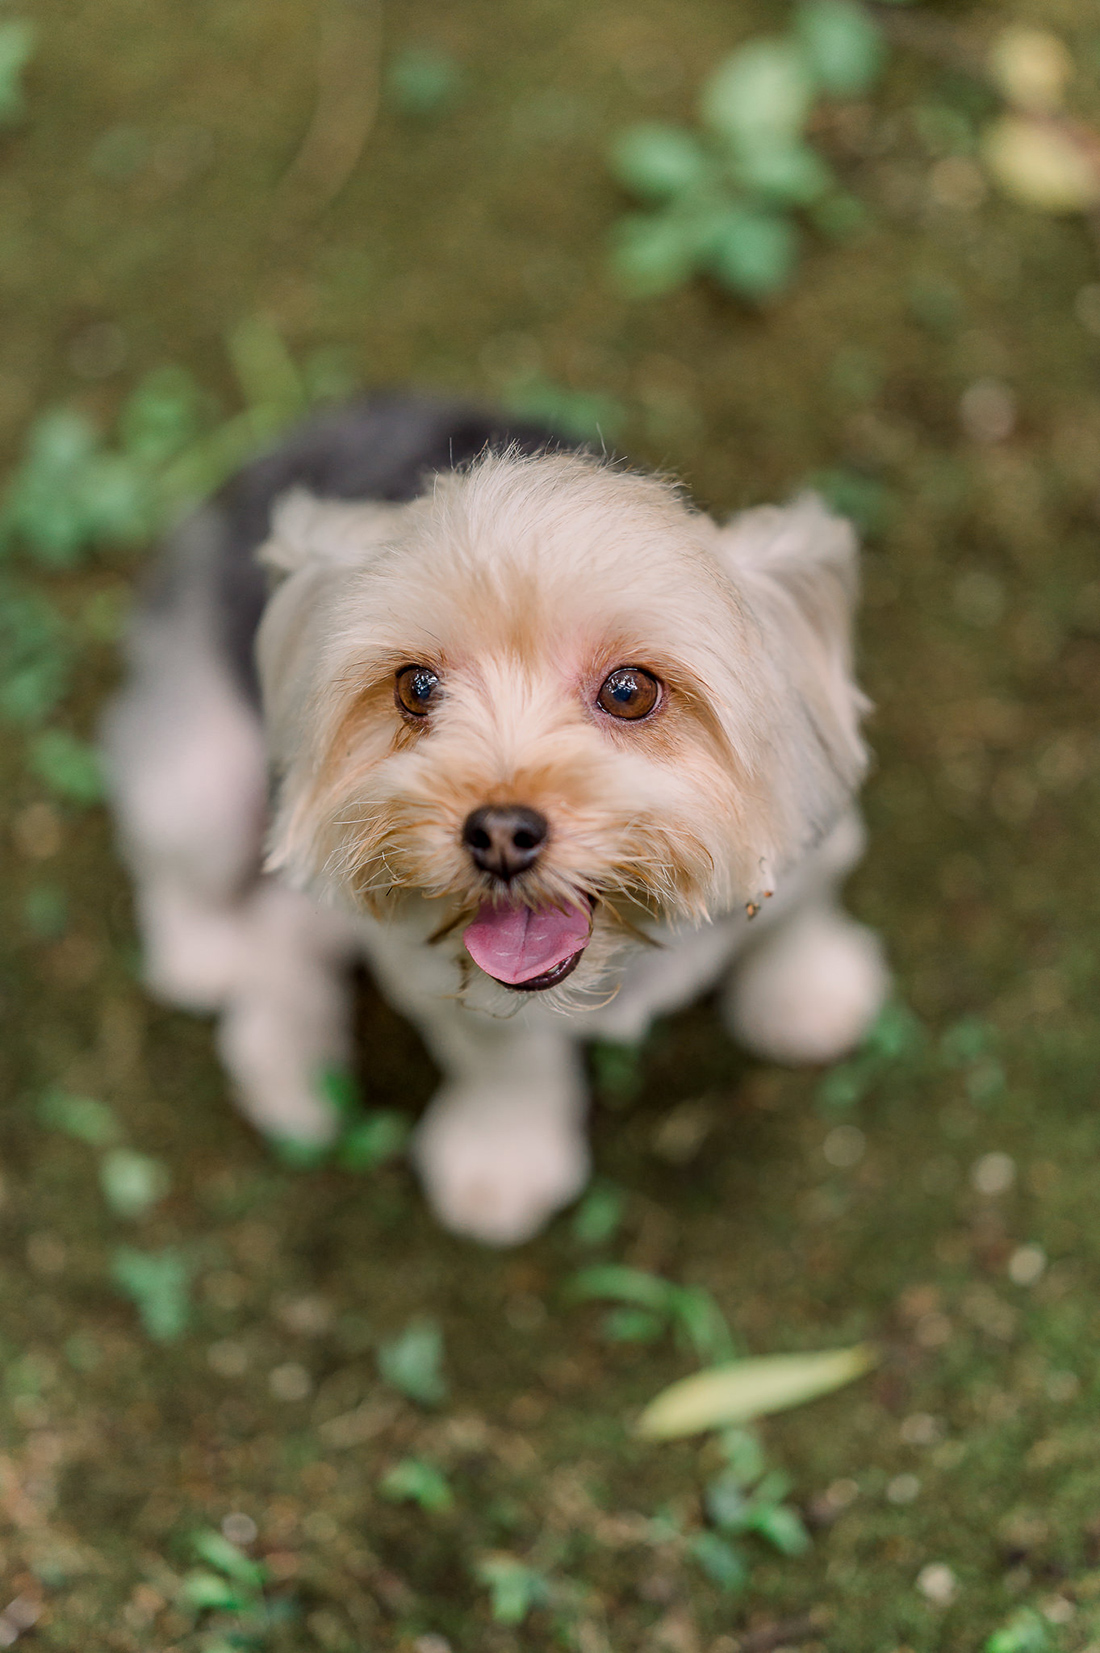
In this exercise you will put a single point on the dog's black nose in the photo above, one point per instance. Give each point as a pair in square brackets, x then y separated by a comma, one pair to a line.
[504, 839]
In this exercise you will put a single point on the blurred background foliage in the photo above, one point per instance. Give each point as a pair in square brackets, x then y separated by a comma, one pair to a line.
[251, 1404]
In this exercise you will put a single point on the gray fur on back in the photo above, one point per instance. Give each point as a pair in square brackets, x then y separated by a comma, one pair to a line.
[383, 447]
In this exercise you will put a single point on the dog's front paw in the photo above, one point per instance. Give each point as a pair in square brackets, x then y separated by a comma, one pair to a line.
[810, 992]
[496, 1168]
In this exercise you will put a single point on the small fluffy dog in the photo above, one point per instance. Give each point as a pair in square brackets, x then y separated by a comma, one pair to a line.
[550, 748]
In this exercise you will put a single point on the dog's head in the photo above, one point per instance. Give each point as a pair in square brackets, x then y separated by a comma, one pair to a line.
[549, 694]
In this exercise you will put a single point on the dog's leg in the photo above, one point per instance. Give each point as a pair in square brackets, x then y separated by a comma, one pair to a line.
[185, 757]
[285, 1017]
[811, 986]
[502, 1146]
[189, 779]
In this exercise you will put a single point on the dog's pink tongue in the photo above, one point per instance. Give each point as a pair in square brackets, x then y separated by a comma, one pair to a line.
[514, 944]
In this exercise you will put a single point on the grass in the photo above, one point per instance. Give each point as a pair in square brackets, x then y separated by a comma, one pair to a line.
[400, 1436]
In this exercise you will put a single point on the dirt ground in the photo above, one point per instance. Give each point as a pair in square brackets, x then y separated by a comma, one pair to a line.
[953, 1221]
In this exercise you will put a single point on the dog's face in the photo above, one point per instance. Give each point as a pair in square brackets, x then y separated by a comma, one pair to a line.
[548, 694]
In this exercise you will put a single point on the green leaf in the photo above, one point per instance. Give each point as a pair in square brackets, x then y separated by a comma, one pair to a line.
[651, 255]
[132, 1183]
[157, 1284]
[790, 174]
[17, 44]
[772, 1489]
[43, 505]
[743, 1453]
[115, 500]
[632, 1326]
[782, 1527]
[846, 1084]
[46, 911]
[206, 464]
[340, 1088]
[865, 499]
[165, 413]
[68, 766]
[265, 369]
[753, 252]
[35, 654]
[702, 1323]
[843, 45]
[411, 1363]
[80, 1116]
[726, 1503]
[723, 1564]
[423, 82]
[297, 1153]
[416, 1482]
[622, 1285]
[381, 1136]
[599, 1215]
[761, 92]
[218, 1551]
[965, 1041]
[1025, 1632]
[206, 1592]
[514, 1588]
[747, 1389]
[580, 415]
[896, 1035]
[657, 162]
[985, 1082]
[618, 1069]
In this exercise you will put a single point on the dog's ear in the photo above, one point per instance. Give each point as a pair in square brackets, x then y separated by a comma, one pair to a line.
[307, 531]
[797, 569]
[315, 549]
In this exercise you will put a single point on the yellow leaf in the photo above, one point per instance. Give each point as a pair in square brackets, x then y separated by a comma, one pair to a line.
[1031, 67]
[1042, 165]
[747, 1389]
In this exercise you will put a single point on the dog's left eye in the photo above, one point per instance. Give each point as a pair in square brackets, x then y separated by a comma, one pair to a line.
[629, 693]
[415, 689]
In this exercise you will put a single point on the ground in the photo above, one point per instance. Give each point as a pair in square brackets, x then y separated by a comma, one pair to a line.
[141, 218]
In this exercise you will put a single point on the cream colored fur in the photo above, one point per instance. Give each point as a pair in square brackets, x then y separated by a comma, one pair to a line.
[523, 582]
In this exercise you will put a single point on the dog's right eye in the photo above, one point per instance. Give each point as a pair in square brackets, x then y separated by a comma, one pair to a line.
[414, 689]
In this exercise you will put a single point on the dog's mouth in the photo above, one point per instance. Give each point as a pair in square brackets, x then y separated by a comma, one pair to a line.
[528, 949]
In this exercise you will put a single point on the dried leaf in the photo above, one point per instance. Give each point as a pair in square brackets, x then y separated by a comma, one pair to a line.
[747, 1389]
[1031, 67]
[1043, 164]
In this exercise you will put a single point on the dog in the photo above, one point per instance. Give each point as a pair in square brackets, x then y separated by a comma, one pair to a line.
[551, 749]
